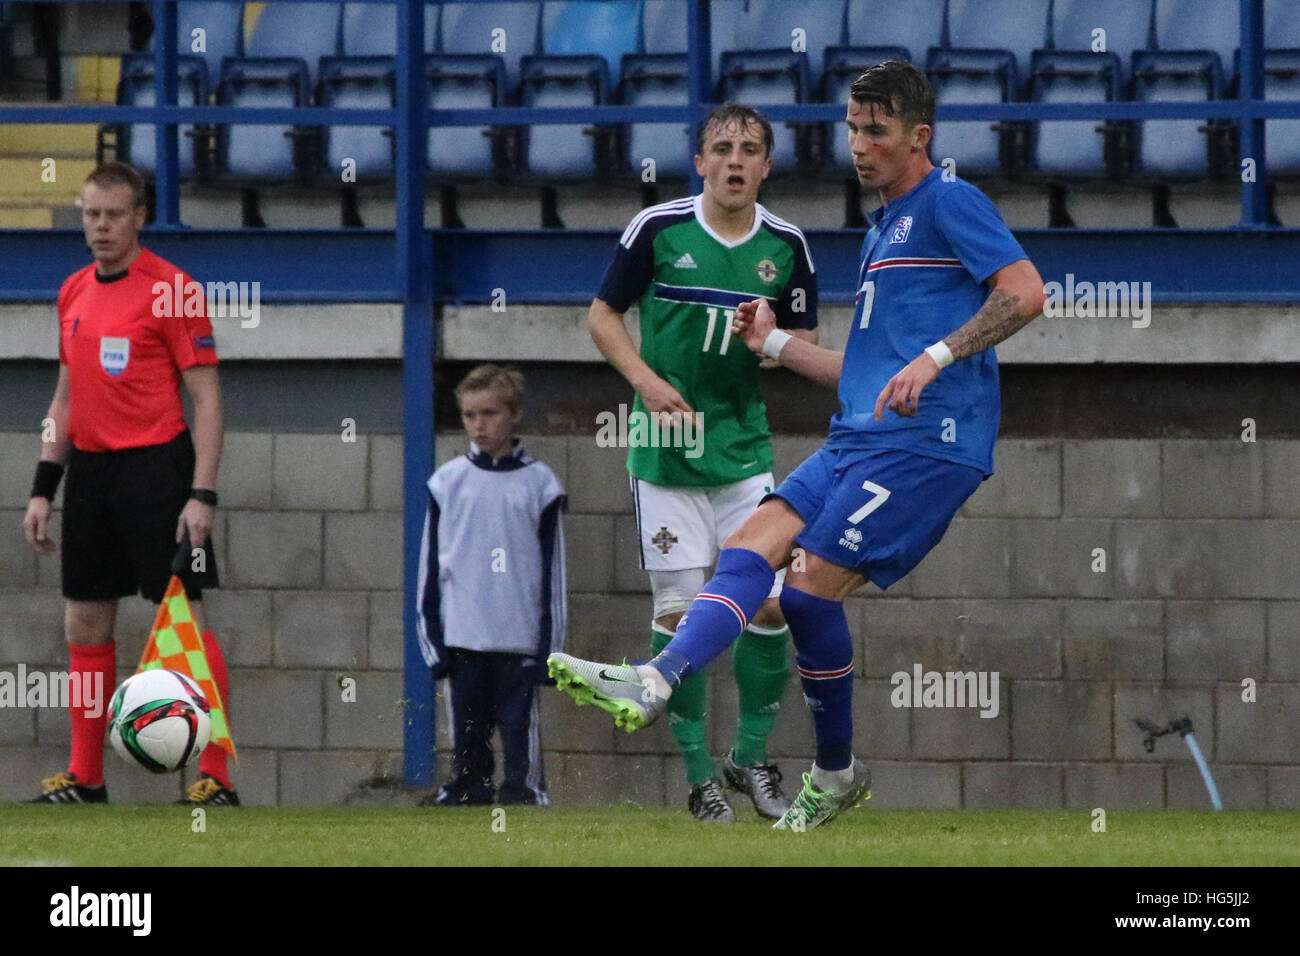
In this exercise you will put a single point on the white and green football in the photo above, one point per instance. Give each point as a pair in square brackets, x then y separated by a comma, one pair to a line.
[158, 720]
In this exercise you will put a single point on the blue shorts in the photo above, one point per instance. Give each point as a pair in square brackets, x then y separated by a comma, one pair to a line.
[876, 512]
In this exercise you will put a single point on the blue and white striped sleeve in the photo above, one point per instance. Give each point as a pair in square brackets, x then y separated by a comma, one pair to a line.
[428, 611]
[554, 623]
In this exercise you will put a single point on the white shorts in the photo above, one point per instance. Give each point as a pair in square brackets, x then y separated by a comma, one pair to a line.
[681, 528]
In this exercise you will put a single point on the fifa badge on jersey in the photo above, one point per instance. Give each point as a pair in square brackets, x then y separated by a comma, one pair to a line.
[766, 270]
[901, 230]
[114, 354]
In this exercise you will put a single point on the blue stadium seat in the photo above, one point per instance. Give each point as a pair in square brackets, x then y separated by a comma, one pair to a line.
[1074, 70]
[812, 25]
[976, 147]
[1282, 136]
[1017, 26]
[1282, 82]
[664, 28]
[262, 153]
[364, 77]
[302, 31]
[582, 42]
[1073, 147]
[464, 81]
[1128, 26]
[656, 79]
[779, 49]
[564, 151]
[1281, 25]
[223, 32]
[764, 78]
[1170, 147]
[986, 60]
[370, 29]
[358, 82]
[1183, 25]
[281, 68]
[608, 28]
[1193, 58]
[508, 30]
[876, 23]
[135, 143]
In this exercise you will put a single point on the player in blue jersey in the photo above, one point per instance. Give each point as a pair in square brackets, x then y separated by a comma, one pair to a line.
[941, 281]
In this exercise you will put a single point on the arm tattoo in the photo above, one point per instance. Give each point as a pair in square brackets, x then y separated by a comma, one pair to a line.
[1000, 317]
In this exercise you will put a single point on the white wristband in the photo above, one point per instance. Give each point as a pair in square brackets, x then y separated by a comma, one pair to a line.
[941, 354]
[774, 342]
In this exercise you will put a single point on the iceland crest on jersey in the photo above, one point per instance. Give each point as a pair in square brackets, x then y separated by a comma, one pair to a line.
[901, 229]
[114, 354]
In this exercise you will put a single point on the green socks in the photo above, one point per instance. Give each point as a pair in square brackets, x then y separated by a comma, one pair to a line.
[686, 710]
[762, 670]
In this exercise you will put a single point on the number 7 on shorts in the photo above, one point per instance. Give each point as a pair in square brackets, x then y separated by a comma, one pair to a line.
[881, 495]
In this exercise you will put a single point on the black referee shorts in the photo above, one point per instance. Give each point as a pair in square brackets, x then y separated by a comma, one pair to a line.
[120, 510]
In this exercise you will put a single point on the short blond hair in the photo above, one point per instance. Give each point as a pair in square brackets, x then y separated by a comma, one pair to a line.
[506, 380]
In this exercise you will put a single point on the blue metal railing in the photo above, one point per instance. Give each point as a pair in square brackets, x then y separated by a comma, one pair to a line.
[1249, 109]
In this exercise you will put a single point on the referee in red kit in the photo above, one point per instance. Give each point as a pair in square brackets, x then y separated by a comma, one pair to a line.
[137, 482]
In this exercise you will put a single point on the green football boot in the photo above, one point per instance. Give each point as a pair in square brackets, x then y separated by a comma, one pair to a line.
[813, 807]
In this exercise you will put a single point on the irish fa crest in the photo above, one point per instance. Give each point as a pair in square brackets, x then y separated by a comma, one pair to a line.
[664, 540]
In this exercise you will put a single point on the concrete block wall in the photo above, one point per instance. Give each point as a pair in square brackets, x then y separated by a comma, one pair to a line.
[1102, 581]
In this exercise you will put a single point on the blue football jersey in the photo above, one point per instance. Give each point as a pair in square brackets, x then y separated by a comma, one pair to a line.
[922, 272]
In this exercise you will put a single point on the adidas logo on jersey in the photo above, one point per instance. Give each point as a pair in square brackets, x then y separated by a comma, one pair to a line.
[685, 262]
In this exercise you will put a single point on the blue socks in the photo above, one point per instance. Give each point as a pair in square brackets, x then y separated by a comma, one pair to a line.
[717, 616]
[824, 657]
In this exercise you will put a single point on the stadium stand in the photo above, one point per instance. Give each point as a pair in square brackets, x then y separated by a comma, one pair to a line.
[222, 24]
[772, 52]
[1073, 70]
[1189, 62]
[135, 142]
[1282, 82]
[990, 45]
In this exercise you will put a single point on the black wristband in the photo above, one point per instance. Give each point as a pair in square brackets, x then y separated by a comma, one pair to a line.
[46, 482]
[209, 498]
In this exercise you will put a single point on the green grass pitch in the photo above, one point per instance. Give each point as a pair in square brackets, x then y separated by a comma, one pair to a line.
[265, 836]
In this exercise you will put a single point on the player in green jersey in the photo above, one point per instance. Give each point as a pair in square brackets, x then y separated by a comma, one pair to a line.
[688, 264]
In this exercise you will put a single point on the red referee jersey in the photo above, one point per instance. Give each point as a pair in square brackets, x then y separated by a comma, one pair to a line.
[125, 343]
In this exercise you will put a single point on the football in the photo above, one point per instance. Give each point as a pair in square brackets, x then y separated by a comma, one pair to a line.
[158, 720]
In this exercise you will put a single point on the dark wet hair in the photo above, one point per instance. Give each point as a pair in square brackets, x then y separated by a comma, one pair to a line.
[896, 86]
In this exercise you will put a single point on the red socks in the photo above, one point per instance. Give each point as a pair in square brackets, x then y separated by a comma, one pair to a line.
[87, 763]
[213, 759]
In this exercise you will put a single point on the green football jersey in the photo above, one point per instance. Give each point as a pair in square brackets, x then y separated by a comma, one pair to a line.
[688, 281]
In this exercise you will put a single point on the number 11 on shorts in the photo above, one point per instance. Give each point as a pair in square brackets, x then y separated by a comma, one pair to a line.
[880, 495]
